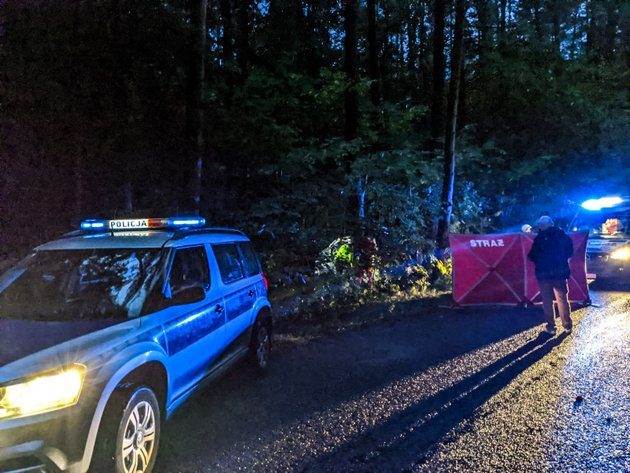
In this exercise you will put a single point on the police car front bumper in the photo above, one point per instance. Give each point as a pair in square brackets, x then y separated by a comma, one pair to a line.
[602, 266]
[51, 442]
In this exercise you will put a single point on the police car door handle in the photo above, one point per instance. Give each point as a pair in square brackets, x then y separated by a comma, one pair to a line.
[251, 293]
[218, 309]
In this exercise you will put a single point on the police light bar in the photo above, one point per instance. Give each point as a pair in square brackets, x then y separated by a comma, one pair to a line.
[93, 225]
[128, 224]
[601, 203]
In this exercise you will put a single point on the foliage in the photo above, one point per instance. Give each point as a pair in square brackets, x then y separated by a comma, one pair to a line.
[344, 257]
[94, 113]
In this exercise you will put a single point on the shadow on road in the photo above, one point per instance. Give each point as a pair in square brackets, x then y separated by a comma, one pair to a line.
[317, 376]
[406, 439]
[620, 284]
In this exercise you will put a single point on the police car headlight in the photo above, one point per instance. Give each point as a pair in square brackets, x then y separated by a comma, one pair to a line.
[42, 393]
[621, 253]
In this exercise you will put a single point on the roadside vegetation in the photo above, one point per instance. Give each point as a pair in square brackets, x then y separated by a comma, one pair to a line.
[312, 122]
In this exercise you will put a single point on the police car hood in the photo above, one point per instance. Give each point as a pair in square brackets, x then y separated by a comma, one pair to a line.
[606, 245]
[21, 338]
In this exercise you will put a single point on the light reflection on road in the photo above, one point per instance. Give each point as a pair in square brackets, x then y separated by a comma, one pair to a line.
[602, 335]
[592, 424]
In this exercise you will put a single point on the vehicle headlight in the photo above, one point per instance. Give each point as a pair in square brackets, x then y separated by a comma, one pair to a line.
[41, 393]
[621, 253]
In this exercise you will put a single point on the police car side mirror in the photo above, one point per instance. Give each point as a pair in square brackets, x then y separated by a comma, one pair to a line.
[189, 296]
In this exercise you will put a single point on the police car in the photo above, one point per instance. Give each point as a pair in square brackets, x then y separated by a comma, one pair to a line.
[607, 219]
[105, 332]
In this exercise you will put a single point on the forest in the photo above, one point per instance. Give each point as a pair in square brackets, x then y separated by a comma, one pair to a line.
[304, 121]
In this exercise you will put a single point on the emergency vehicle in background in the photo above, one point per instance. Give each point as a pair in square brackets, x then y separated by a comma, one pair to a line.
[106, 331]
[607, 219]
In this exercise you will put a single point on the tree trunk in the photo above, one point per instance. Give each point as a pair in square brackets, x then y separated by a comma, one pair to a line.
[589, 27]
[412, 41]
[556, 27]
[244, 31]
[612, 16]
[624, 34]
[448, 183]
[78, 179]
[387, 57]
[310, 42]
[483, 16]
[574, 35]
[537, 24]
[362, 183]
[350, 68]
[556, 34]
[502, 20]
[194, 109]
[461, 100]
[422, 51]
[437, 101]
[401, 54]
[227, 40]
[373, 53]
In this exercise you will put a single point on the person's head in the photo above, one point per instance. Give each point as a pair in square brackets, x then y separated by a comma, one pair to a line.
[544, 222]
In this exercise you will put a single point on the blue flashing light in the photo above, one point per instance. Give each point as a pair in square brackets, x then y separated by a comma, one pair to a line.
[601, 203]
[92, 225]
[187, 222]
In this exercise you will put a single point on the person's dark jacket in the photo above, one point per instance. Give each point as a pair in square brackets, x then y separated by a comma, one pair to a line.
[550, 253]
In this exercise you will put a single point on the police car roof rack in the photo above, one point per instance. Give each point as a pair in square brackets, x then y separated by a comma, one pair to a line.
[184, 232]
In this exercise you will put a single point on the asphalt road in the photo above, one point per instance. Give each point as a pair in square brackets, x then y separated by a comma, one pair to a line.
[423, 390]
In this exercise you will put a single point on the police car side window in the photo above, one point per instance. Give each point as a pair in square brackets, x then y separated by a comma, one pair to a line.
[250, 259]
[229, 261]
[189, 269]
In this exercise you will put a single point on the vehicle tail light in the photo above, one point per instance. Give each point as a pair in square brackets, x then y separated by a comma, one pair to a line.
[265, 281]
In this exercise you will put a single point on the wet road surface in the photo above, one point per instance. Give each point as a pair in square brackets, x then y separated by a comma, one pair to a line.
[440, 390]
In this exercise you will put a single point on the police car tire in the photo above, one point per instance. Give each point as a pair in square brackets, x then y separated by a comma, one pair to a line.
[261, 328]
[108, 455]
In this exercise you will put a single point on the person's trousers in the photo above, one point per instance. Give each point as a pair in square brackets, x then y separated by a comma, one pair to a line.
[556, 289]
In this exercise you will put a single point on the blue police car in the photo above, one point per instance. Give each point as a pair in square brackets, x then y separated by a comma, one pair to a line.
[105, 332]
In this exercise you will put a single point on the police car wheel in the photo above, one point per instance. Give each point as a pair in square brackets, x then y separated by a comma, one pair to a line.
[130, 442]
[261, 346]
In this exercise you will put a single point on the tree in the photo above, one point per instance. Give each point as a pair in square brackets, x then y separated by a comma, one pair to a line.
[412, 30]
[350, 68]
[244, 31]
[484, 17]
[437, 97]
[448, 182]
[423, 50]
[373, 53]
[502, 20]
[194, 109]
[612, 23]
[228, 31]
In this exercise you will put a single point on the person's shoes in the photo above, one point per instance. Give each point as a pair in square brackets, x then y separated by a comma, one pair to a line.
[549, 331]
[568, 330]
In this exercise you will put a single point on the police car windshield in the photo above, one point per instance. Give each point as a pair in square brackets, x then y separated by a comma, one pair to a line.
[79, 284]
[605, 224]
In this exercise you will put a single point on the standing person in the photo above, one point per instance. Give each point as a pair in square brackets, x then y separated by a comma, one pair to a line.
[365, 250]
[550, 254]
